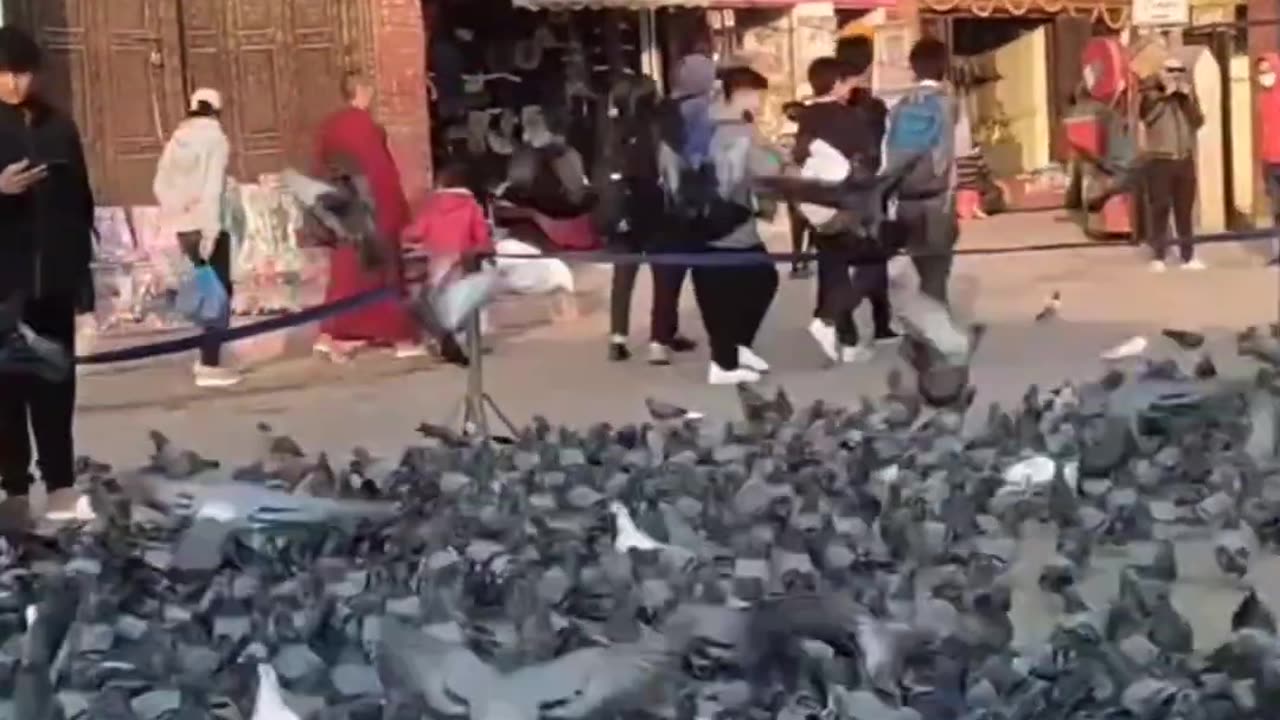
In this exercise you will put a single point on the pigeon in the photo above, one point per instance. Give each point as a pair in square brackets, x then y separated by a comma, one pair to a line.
[1205, 368]
[666, 412]
[452, 680]
[1253, 613]
[1051, 307]
[442, 434]
[268, 703]
[1133, 347]
[1185, 339]
[175, 463]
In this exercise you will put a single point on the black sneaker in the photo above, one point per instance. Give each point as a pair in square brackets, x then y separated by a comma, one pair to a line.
[452, 352]
[884, 337]
[801, 272]
[618, 352]
[682, 344]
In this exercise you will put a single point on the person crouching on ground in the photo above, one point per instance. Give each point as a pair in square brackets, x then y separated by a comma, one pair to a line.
[451, 229]
[734, 298]
[190, 186]
[46, 245]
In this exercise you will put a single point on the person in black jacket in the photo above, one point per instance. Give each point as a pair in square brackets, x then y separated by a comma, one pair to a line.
[46, 227]
[854, 132]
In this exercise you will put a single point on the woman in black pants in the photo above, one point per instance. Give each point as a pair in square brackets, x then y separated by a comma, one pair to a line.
[736, 287]
[190, 185]
[220, 261]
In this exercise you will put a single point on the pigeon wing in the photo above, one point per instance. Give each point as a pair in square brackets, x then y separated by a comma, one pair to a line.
[587, 681]
[449, 677]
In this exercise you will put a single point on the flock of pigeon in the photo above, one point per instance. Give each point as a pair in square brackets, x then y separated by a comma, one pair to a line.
[801, 563]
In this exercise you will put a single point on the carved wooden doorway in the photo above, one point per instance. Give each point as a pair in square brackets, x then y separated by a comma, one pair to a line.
[124, 68]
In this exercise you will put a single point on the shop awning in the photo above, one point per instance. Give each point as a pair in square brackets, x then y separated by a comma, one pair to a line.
[654, 4]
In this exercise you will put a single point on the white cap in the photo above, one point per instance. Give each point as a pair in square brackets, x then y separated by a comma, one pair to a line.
[206, 95]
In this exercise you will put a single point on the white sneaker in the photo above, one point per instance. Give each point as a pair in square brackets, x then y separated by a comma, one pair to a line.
[216, 377]
[1194, 264]
[68, 505]
[1157, 266]
[851, 354]
[410, 350]
[717, 375]
[659, 354]
[747, 358]
[825, 336]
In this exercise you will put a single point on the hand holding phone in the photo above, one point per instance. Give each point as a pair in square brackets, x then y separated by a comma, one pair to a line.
[18, 177]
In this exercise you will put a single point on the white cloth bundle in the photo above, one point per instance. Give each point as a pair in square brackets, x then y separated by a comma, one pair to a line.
[534, 276]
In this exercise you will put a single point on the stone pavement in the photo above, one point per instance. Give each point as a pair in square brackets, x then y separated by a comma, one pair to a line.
[560, 370]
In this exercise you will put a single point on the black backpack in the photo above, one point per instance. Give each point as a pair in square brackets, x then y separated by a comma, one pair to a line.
[696, 205]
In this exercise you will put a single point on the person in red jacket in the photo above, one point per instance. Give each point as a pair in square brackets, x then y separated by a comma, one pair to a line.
[450, 225]
[450, 228]
[1269, 117]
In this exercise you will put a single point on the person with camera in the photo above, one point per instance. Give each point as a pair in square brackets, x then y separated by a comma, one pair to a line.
[1171, 115]
[46, 245]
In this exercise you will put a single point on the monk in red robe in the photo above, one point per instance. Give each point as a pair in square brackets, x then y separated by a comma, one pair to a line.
[350, 138]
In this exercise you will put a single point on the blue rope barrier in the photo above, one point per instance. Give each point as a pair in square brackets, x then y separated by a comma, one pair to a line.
[694, 259]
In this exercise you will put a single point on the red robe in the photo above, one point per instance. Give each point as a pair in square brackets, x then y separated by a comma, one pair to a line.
[352, 134]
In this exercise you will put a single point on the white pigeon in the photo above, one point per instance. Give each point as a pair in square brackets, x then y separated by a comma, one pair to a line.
[630, 537]
[1132, 347]
[269, 703]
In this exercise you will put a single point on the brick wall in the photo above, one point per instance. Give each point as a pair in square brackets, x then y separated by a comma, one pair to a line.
[400, 66]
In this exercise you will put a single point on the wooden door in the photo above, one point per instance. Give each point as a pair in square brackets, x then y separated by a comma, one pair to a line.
[115, 66]
[278, 64]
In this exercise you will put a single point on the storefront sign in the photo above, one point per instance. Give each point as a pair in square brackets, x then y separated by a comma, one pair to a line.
[1165, 13]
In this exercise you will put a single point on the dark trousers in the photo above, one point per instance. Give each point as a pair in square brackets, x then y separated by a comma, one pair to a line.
[840, 294]
[801, 234]
[33, 408]
[1171, 186]
[733, 301]
[668, 281]
[1271, 176]
[220, 261]
[930, 232]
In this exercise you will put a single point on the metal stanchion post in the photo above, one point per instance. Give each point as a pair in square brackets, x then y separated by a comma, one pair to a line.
[476, 403]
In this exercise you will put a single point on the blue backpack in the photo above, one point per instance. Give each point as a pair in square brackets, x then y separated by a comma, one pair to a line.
[917, 124]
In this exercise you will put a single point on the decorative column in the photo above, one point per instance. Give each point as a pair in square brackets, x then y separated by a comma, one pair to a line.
[399, 65]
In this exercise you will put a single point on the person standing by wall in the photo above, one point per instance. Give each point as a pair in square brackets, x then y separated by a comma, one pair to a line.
[1171, 114]
[1269, 118]
[734, 298]
[46, 245]
[190, 186]
[351, 141]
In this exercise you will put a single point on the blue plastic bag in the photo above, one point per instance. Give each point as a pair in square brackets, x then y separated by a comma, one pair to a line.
[203, 300]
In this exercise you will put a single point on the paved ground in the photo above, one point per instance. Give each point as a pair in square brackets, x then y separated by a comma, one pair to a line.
[560, 371]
